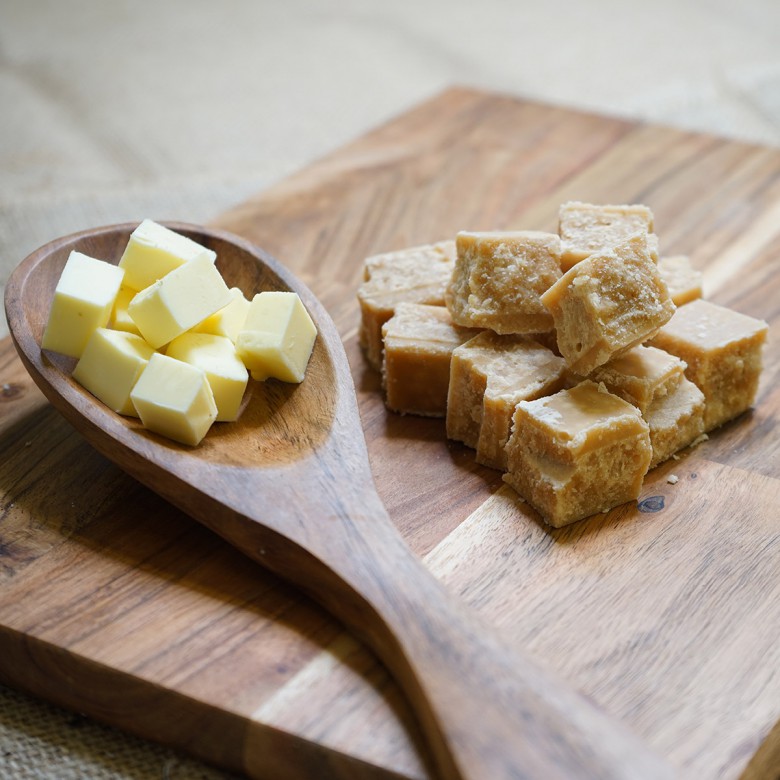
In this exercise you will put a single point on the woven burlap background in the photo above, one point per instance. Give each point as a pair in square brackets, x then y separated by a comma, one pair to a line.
[119, 110]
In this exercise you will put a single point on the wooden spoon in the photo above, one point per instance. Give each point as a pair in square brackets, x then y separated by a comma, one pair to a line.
[290, 485]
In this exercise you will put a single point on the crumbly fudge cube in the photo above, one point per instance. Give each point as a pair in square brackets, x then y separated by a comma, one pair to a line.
[682, 279]
[641, 376]
[722, 350]
[676, 419]
[416, 275]
[419, 341]
[608, 303]
[499, 278]
[586, 228]
[489, 376]
[577, 452]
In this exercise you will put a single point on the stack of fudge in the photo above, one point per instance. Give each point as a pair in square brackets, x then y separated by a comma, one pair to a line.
[574, 362]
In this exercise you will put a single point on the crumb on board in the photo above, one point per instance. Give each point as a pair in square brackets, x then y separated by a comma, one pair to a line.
[672, 479]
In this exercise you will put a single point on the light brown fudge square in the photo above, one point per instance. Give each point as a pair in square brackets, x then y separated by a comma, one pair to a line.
[499, 277]
[416, 275]
[489, 375]
[641, 376]
[418, 345]
[682, 279]
[578, 452]
[722, 350]
[588, 228]
[676, 419]
[607, 304]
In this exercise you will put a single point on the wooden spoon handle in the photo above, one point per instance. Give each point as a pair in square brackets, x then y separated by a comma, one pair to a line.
[488, 712]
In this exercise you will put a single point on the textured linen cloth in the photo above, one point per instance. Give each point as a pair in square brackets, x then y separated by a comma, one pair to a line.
[116, 111]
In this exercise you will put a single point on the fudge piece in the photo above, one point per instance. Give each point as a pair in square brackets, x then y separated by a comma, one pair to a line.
[682, 279]
[499, 277]
[676, 419]
[417, 275]
[577, 452]
[489, 376]
[641, 376]
[419, 341]
[586, 229]
[722, 350]
[608, 303]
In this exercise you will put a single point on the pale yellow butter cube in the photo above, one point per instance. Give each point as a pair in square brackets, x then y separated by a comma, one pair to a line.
[180, 300]
[120, 318]
[110, 366]
[277, 337]
[229, 320]
[154, 251]
[174, 399]
[226, 374]
[83, 300]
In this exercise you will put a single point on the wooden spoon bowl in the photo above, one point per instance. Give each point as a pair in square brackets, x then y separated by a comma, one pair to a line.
[290, 485]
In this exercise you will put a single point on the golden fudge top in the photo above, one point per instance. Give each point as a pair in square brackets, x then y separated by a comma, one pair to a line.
[428, 326]
[586, 228]
[709, 326]
[419, 274]
[514, 366]
[682, 279]
[583, 418]
[640, 375]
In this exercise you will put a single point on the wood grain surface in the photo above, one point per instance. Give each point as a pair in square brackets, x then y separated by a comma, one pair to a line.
[667, 613]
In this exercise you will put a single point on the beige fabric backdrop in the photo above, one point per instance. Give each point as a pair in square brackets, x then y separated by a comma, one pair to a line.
[113, 111]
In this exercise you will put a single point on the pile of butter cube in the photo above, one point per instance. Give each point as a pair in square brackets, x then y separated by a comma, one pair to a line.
[161, 337]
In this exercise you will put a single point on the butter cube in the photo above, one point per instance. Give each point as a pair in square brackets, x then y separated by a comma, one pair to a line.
[110, 365]
[174, 399]
[154, 251]
[83, 300]
[277, 337]
[120, 318]
[179, 301]
[229, 320]
[226, 374]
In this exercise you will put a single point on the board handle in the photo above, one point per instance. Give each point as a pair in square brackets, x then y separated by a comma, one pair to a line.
[487, 711]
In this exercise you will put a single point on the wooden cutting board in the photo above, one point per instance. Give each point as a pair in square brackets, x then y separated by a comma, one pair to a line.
[667, 613]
